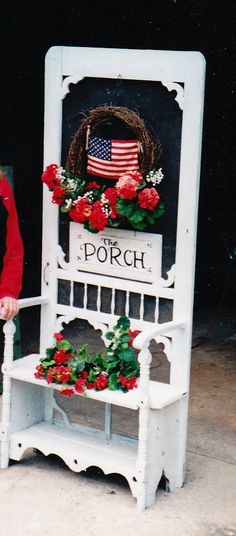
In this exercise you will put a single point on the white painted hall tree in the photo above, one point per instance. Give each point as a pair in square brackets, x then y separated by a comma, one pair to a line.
[30, 405]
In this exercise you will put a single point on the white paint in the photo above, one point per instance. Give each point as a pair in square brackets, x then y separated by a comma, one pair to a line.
[28, 404]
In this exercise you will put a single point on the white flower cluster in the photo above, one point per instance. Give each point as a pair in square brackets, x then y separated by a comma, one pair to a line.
[155, 176]
[60, 173]
[70, 184]
[89, 195]
[105, 205]
[68, 203]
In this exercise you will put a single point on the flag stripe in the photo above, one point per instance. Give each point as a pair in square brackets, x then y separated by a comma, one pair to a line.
[112, 158]
[109, 174]
[106, 163]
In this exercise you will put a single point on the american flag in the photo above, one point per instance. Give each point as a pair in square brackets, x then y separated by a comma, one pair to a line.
[112, 158]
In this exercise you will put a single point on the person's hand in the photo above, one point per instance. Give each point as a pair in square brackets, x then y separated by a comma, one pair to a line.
[9, 307]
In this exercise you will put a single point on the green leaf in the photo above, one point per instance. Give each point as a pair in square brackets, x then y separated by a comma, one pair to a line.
[50, 352]
[130, 369]
[137, 216]
[110, 335]
[112, 363]
[125, 208]
[74, 376]
[139, 226]
[65, 345]
[123, 322]
[127, 355]
[113, 383]
[125, 337]
[159, 210]
[150, 217]
[114, 223]
[47, 363]
[99, 361]
[92, 376]
[64, 208]
[83, 352]
[76, 366]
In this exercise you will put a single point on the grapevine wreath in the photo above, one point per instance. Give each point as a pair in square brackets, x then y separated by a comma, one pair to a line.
[110, 178]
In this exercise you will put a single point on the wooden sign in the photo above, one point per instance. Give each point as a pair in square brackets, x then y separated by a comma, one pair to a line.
[117, 252]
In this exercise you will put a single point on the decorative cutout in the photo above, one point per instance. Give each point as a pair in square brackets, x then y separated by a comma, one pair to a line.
[74, 79]
[170, 278]
[173, 86]
[167, 343]
[103, 328]
[63, 319]
[65, 419]
[61, 260]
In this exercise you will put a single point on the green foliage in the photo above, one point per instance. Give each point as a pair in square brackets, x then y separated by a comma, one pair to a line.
[65, 345]
[118, 360]
[138, 217]
[123, 323]
[114, 384]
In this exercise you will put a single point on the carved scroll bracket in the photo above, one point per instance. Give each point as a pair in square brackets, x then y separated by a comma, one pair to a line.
[170, 85]
[174, 86]
[103, 328]
[61, 260]
[64, 416]
[74, 79]
[167, 343]
[63, 319]
[170, 278]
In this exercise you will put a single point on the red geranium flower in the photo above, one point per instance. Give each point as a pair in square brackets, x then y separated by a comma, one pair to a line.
[60, 357]
[128, 383]
[127, 187]
[148, 198]
[58, 336]
[111, 196]
[81, 211]
[136, 175]
[49, 176]
[91, 185]
[58, 195]
[101, 382]
[98, 218]
[90, 385]
[69, 356]
[79, 385]
[50, 374]
[62, 373]
[133, 334]
[67, 392]
[40, 372]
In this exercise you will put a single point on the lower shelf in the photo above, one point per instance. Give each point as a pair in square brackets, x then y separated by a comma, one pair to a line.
[77, 449]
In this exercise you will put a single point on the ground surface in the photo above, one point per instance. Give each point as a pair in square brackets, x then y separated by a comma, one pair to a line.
[41, 497]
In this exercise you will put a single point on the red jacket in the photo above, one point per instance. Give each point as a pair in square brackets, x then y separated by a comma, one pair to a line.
[11, 246]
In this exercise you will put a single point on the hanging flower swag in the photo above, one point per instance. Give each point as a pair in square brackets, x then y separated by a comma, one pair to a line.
[133, 200]
[76, 370]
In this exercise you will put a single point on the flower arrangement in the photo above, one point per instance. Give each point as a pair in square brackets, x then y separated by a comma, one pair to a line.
[76, 370]
[134, 200]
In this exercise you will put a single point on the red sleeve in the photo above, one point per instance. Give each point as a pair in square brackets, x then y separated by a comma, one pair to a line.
[12, 271]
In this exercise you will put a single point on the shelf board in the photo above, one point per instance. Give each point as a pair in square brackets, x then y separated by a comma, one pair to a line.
[160, 394]
[76, 448]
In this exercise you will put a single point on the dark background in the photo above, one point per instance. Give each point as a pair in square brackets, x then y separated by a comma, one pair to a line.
[209, 27]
